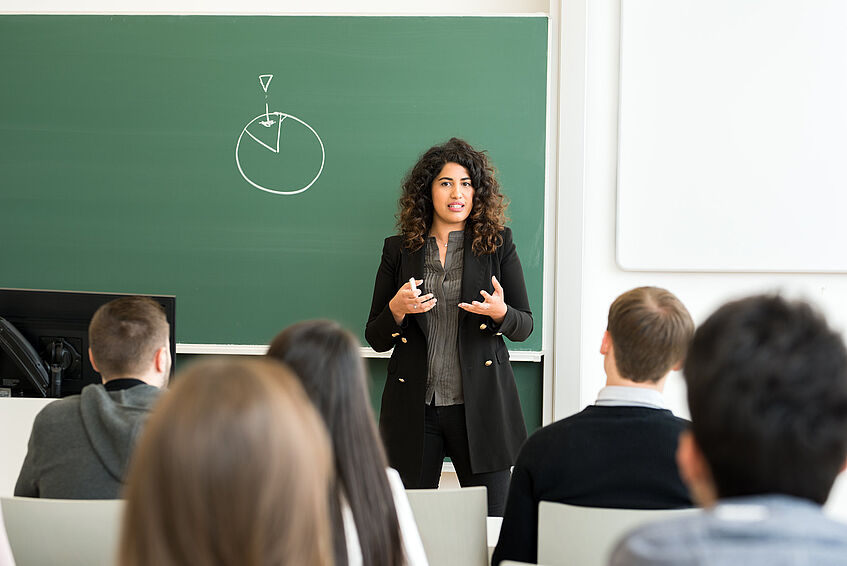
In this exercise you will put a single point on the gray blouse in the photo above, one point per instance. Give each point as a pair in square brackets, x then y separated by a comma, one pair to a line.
[444, 378]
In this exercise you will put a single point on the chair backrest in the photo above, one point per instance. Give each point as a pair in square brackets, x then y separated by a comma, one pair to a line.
[62, 531]
[16, 418]
[452, 524]
[585, 536]
[513, 563]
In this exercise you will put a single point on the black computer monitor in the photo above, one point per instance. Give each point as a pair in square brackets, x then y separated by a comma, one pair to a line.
[50, 328]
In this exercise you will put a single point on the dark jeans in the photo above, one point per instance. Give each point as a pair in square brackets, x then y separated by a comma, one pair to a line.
[445, 434]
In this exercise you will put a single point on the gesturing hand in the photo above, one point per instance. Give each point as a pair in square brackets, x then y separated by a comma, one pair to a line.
[493, 306]
[407, 301]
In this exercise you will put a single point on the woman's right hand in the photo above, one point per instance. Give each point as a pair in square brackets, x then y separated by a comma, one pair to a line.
[407, 301]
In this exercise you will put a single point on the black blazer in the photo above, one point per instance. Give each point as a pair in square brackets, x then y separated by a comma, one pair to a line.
[493, 414]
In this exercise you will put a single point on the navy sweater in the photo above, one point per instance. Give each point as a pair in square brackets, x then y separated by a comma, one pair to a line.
[619, 457]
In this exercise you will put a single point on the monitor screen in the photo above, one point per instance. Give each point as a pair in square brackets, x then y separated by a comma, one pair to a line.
[57, 321]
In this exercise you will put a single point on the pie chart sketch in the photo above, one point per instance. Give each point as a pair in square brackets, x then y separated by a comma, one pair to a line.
[279, 153]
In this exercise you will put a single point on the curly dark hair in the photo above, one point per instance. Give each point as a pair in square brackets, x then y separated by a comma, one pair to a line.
[488, 214]
[767, 389]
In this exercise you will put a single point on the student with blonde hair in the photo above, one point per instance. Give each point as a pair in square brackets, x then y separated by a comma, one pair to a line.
[372, 520]
[232, 470]
[618, 452]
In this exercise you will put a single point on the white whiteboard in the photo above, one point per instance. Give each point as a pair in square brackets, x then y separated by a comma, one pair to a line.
[732, 139]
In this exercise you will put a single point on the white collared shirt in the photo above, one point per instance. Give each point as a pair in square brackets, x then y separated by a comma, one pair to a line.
[622, 396]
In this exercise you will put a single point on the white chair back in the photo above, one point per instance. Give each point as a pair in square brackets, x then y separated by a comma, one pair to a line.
[452, 525]
[16, 418]
[585, 536]
[5, 550]
[63, 531]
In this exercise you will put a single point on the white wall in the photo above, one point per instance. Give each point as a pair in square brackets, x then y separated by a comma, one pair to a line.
[701, 292]
[602, 280]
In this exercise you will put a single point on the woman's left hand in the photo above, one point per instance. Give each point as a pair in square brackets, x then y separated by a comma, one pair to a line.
[494, 306]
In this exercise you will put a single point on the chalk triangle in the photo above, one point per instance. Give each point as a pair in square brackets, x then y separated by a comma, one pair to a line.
[265, 81]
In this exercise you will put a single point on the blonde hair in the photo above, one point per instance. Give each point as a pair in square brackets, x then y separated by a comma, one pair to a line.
[651, 330]
[233, 468]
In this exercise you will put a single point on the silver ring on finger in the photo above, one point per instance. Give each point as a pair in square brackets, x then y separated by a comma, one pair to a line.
[416, 306]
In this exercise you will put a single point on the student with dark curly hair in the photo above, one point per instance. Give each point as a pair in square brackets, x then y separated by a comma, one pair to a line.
[767, 389]
[448, 289]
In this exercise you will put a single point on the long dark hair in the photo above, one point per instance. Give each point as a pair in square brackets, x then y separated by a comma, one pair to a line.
[488, 214]
[326, 358]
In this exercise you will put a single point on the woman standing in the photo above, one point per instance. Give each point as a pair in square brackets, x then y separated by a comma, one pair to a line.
[450, 388]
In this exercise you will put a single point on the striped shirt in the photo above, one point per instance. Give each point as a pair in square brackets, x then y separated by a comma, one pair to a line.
[444, 377]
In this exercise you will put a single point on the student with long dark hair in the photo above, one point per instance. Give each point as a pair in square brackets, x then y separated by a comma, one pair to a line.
[372, 521]
[448, 290]
[233, 469]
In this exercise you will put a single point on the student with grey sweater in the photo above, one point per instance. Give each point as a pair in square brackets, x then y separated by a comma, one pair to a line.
[767, 389]
[80, 446]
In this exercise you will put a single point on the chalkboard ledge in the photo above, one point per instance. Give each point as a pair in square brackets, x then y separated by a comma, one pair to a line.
[260, 349]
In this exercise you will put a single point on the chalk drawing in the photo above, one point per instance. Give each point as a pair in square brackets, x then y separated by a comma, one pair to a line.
[290, 168]
[265, 81]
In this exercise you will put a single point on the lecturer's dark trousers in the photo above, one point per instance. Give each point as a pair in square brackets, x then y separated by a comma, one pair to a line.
[445, 434]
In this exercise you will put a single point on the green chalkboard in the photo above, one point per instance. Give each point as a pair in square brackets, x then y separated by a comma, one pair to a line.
[120, 173]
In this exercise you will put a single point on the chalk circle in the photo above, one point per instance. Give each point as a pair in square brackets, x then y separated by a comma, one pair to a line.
[280, 148]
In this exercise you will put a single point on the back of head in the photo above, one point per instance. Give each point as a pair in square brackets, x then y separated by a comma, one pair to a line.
[327, 360]
[650, 329]
[767, 390]
[124, 335]
[232, 469]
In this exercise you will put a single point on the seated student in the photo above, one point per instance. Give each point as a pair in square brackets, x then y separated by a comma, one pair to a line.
[767, 388]
[618, 452]
[372, 520]
[233, 469]
[80, 445]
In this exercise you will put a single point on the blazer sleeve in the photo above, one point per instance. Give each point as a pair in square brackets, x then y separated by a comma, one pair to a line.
[381, 325]
[517, 325]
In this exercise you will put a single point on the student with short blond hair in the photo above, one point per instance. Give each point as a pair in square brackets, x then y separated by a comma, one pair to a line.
[80, 446]
[232, 470]
[618, 452]
[650, 329]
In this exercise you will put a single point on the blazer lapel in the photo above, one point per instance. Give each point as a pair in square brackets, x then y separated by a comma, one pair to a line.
[472, 274]
[413, 266]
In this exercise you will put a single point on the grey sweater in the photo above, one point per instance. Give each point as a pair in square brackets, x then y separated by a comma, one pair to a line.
[80, 445]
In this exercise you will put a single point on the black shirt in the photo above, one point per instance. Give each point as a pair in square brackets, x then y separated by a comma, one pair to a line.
[122, 383]
[618, 457]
